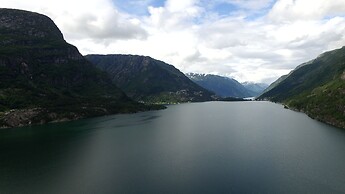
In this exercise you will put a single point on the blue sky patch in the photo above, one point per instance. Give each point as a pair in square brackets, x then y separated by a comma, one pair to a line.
[225, 9]
[137, 7]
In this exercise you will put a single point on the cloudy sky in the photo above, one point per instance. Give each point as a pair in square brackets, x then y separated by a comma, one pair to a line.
[249, 40]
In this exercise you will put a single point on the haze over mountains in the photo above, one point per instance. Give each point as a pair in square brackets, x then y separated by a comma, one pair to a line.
[255, 88]
[227, 87]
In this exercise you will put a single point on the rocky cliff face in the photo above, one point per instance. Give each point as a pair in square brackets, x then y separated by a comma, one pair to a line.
[39, 70]
[25, 28]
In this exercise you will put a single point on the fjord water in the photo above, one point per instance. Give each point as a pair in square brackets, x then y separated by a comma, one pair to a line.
[214, 147]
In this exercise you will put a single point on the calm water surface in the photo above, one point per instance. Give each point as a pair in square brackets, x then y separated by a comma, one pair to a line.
[214, 147]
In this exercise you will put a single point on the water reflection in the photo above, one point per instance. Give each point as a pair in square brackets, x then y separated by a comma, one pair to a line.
[249, 147]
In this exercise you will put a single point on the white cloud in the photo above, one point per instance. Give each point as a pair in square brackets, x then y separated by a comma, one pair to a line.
[78, 19]
[175, 15]
[193, 37]
[250, 4]
[292, 10]
[181, 6]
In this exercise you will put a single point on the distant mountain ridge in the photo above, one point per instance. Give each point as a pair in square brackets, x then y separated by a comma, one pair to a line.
[44, 79]
[316, 88]
[224, 86]
[146, 79]
[255, 88]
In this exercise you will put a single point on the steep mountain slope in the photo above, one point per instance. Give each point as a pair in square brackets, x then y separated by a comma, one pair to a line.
[150, 80]
[275, 83]
[222, 86]
[255, 88]
[316, 87]
[43, 78]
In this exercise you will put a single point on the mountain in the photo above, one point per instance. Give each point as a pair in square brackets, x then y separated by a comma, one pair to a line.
[316, 88]
[255, 88]
[45, 79]
[275, 83]
[150, 80]
[222, 86]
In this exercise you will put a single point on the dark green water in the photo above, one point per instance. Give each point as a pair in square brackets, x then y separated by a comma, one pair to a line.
[215, 147]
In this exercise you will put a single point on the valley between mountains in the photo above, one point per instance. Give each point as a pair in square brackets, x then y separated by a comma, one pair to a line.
[44, 79]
